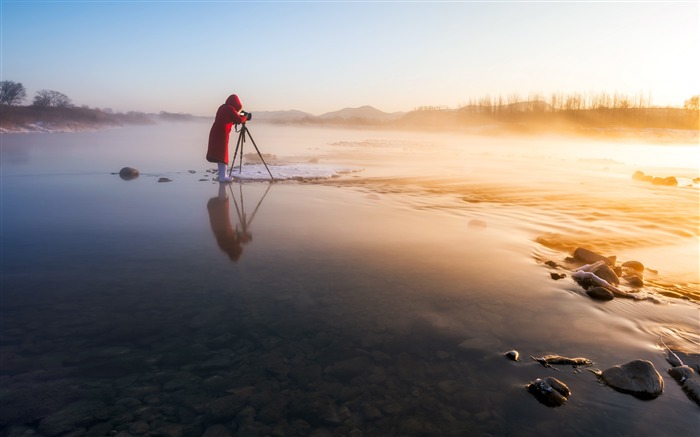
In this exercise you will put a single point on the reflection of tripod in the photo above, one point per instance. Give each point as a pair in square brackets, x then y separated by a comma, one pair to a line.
[242, 219]
[241, 139]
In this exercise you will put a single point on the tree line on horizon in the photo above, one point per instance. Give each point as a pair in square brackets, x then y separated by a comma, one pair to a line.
[538, 102]
[579, 110]
[14, 93]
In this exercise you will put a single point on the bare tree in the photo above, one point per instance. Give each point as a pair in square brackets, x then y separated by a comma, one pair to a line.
[51, 98]
[693, 103]
[12, 93]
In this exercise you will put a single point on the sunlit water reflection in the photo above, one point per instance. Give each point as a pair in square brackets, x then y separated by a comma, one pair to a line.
[379, 302]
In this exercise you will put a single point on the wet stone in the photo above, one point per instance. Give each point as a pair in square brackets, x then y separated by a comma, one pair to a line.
[600, 293]
[128, 173]
[688, 379]
[607, 273]
[634, 265]
[635, 281]
[589, 257]
[637, 377]
[557, 276]
[512, 355]
[549, 391]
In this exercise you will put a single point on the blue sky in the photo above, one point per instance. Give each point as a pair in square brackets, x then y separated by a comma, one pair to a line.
[182, 56]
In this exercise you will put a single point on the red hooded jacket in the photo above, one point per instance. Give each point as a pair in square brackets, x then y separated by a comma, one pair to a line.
[226, 116]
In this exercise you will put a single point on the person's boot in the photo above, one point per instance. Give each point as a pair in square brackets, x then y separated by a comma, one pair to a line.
[223, 177]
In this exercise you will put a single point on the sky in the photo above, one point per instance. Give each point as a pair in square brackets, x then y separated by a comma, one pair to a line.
[322, 56]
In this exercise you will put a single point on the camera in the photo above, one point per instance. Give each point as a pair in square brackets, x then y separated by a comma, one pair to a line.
[248, 115]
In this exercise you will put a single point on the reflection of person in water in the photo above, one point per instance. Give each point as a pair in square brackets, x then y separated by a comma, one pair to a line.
[226, 116]
[229, 240]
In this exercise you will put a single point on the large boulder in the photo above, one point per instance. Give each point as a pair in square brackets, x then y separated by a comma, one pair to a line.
[637, 377]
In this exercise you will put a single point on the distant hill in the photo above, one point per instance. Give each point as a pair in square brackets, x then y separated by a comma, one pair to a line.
[366, 112]
[281, 116]
[363, 114]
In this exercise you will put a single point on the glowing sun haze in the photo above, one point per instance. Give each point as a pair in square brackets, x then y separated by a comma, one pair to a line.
[323, 56]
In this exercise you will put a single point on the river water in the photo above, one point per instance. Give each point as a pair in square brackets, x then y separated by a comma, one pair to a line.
[377, 302]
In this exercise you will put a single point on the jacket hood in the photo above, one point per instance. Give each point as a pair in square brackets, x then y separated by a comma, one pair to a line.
[234, 101]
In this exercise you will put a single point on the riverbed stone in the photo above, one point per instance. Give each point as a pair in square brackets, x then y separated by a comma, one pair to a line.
[217, 431]
[347, 369]
[636, 377]
[224, 408]
[139, 428]
[70, 418]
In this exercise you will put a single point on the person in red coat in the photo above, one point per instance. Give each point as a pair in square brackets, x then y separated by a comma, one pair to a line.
[226, 116]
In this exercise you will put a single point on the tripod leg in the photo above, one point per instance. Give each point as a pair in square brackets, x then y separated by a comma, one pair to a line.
[259, 154]
[240, 158]
[233, 164]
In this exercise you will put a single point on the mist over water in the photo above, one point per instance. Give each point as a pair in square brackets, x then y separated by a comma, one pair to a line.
[380, 300]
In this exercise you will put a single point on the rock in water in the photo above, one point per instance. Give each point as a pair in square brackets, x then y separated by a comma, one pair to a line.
[637, 377]
[606, 273]
[548, 360]
[128, 173]
[600, 293]
[670, 181]
[513, 355]
[688, 380]
[589, 257]
[634, 265]
[549, 391]
[165, 180]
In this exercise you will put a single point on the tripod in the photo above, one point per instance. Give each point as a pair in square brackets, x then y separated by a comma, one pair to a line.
[241, 139]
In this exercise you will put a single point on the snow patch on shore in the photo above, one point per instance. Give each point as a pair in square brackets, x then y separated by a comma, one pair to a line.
[282, 172]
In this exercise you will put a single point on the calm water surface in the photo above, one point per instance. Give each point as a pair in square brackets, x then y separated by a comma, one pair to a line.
[377, 303]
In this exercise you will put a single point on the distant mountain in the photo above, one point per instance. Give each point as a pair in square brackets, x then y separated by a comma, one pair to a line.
[362, 113]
